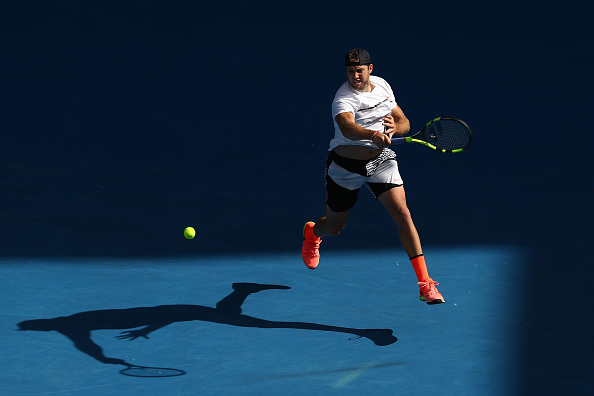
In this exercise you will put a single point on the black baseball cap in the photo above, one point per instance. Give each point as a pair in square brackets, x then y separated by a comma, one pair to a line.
[357, 53]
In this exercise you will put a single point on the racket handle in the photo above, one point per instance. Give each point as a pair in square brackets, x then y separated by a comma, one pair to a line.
[399, 140]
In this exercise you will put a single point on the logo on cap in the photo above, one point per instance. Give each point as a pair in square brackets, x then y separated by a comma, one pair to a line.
[357, 57]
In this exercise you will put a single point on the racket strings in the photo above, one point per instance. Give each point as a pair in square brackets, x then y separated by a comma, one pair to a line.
[447, 134]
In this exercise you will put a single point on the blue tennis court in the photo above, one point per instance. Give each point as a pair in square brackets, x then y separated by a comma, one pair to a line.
[126, 122]
[260, 323]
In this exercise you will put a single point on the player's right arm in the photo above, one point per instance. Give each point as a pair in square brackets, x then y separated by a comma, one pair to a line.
[351, 130]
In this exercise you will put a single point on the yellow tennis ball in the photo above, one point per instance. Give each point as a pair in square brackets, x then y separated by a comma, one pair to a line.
[189, 233]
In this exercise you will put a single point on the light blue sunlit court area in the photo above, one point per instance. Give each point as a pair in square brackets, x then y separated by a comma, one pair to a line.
[336, 330]
[126, 122]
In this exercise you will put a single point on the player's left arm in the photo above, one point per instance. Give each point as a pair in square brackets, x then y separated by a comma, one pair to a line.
[396, 122]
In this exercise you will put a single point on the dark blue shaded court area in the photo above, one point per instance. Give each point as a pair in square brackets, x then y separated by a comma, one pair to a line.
[124, 122]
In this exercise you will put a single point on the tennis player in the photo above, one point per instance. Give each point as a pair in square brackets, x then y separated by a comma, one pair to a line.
[366, 116]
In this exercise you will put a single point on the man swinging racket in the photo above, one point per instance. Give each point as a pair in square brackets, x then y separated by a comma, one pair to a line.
[366, 117]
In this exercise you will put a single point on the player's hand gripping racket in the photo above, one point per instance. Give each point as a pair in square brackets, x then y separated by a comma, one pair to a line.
[445, 134]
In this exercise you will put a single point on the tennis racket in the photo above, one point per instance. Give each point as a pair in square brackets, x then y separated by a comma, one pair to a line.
[445, 134]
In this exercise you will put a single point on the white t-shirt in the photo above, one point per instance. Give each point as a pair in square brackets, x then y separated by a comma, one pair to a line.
[368, 108]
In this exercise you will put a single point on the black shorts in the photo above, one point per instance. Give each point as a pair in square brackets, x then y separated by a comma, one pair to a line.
[345, 176]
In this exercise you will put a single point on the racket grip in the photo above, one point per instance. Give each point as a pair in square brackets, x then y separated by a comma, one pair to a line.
[399, 140]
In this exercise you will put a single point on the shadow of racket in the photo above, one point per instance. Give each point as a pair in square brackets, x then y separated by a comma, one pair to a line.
[151, 372]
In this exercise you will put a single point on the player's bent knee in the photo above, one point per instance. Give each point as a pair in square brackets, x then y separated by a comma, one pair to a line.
[406, 224]
[402, 217]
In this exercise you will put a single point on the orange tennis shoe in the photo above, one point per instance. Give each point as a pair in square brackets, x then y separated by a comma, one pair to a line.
[310, 251]
[429, 293]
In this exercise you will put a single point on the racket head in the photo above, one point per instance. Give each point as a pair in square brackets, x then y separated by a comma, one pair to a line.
[151, 372]
[447, 134]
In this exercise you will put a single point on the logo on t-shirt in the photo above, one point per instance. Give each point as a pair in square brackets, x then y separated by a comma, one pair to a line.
[377, 105]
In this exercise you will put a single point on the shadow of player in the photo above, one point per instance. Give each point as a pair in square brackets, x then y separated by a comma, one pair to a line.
[228, 311]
